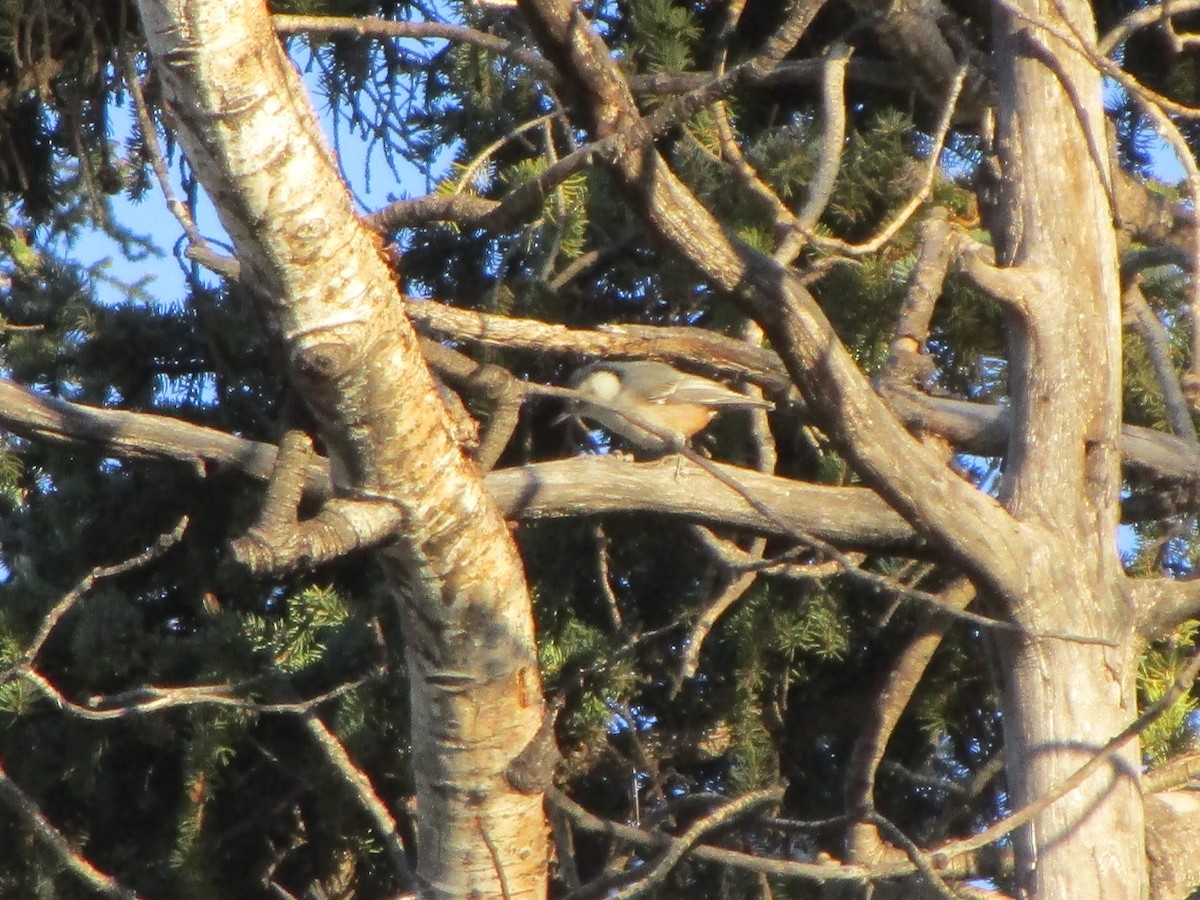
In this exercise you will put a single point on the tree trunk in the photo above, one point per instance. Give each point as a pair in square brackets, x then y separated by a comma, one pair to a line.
[1064, 699]
[244, 119]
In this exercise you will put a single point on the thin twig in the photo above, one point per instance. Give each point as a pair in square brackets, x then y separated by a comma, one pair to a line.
[661, 868]
[469, 171]
[889, 231]
[1178, 771]
[709, 615]
[914, 853]
[600, 539]
[739, 560]
[819, 872]
[1157, 342]
[158, 161]
[72, 597]
[145, 700]
[375, 27]
[1144, 17]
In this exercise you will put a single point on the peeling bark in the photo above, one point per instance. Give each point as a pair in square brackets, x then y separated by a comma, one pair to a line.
[256, 144]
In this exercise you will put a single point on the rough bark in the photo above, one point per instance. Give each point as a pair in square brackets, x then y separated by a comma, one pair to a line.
[255, 142]
[1051, 558]
[1173, 844]
[1062, 701]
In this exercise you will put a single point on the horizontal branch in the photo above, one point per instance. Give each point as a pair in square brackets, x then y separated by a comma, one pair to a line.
[842, 516]
[971, 427]
[699, 348]
[132, 435]
[373, 26]
[854, 517]
[547, 490]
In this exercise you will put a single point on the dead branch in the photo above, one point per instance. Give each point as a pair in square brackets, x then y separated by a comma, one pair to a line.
[1173, 774]
[364, 792]
[79, 591]
[889, 230]
[898, 689]
[908, 363]
[31, 814]
[1157, 343]
[150, 699]
[381, 29]
[280, 542]
[678, 847]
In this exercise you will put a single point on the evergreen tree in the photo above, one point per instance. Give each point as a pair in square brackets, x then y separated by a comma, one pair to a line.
[801, 660]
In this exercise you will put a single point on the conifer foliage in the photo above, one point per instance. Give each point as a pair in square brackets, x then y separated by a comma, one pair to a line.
[851, 647]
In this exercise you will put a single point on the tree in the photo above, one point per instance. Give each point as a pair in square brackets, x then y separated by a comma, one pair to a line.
[920, 234]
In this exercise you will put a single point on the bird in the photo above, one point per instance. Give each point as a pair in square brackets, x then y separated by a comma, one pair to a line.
[652, 405]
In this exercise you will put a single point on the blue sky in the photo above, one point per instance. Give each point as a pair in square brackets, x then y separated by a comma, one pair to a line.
[149, 217]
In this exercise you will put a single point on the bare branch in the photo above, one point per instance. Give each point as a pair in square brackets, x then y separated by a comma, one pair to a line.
[833, 138]
[146, 700]
[360, 786]
[920, 859]
[678, 847]
[711, 352]
[157, 161]
[33, 817]
[906, 212]
[1157, 342]
[1144, 17]
[279, 542]
[739, 560]
[1173, 774]
[907, 361]
[818, 872]
[381, 29]
[496, 383]
[902, 680]
[603, 579]
[712, 611]
[72, 597]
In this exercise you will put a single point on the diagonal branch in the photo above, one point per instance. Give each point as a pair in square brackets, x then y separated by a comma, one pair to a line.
[971, 526]
[28, 811]
[1158, 347]
[902, 680]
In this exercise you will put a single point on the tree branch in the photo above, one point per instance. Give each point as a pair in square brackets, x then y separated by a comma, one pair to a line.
[360, 786]
[971, 526]
[33, 817]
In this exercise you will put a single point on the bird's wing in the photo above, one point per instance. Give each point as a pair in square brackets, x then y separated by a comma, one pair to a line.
[694, 389]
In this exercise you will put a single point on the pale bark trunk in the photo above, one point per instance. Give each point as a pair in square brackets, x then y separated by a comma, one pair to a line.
[256, 144]
[1064, 700]
[1053, 563]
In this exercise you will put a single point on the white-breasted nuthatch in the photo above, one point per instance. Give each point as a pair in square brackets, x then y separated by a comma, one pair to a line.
[653, 404]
